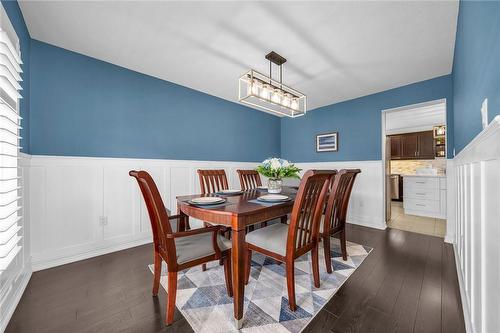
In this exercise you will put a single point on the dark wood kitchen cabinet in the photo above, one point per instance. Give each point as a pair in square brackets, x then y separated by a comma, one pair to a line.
[412, 146]
[409, 146]
[426, 148]
[395, 147]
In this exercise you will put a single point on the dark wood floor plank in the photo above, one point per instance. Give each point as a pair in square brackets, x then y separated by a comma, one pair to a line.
[356, 317]
[451, 307]
[406, 306]
[428, 317]
[400, 263]
[406, 276]
[323, 322]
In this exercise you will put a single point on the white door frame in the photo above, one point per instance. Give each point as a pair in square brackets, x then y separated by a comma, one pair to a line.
[383, 142]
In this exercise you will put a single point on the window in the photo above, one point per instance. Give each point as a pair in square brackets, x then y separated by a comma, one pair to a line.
[10, 183]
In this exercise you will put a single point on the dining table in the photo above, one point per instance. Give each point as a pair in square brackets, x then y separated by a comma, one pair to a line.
[237, 213]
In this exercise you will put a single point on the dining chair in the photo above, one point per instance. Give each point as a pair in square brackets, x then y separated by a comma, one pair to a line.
[287, 242]
[249, 179]
[212, 181]
[182, 249]
[333, 222]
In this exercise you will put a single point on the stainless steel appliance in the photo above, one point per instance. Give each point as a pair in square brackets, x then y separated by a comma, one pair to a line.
[396, 188]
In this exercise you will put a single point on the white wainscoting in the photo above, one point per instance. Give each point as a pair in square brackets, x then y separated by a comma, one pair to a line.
[15, 279]
[82, 207]
[477, 229]
[367, 200]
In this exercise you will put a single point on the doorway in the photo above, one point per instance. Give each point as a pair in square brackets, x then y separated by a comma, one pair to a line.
[414, 142]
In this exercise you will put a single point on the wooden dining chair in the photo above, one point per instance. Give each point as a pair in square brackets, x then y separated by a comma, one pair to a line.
[333, 221]
[284, 242]
[249, 179]
[212, 181]
[179, 250]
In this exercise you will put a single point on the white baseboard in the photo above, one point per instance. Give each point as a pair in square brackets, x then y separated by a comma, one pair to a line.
[16, 297]
[41, 263]
[367, 221]
[449, 239]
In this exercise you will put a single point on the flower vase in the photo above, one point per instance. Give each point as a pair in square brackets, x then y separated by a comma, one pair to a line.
[274, 185]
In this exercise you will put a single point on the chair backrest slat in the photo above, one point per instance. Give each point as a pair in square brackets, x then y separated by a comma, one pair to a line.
[212, 181]
[249, 179]
[158, 214]
[338, 200]
[307, 210]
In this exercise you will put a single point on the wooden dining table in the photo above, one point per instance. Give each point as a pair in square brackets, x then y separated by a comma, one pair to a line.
[238, 213]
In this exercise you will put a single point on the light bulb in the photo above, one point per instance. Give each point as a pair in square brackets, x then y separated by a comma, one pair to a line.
[295, 104]
[276, 98]
[265, 91]
[286, 100]
[255, 88]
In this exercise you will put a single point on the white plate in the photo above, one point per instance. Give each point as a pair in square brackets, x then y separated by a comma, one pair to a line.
[229, 191]
[273, 198]
[207, 200]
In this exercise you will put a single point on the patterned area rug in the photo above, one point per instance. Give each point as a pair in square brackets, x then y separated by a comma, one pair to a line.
[202, 297]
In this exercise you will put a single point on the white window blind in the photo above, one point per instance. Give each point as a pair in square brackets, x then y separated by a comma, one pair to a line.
[10, 182]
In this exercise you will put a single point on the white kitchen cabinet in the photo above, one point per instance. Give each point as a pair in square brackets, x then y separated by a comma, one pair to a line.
[425, 196]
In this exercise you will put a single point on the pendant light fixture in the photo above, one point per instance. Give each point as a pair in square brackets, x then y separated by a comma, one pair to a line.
[265, 93]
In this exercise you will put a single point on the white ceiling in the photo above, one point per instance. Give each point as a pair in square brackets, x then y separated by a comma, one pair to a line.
[336, 50]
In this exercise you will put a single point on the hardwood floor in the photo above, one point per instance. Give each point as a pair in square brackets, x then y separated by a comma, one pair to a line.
[407, 284]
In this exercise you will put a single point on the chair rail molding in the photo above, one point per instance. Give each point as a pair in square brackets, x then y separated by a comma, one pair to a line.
[366, 202]
[476, 171]
[82, 207]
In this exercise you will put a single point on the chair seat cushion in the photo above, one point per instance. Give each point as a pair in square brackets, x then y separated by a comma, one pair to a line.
[272, 238]
[196, 224]
[198, 246]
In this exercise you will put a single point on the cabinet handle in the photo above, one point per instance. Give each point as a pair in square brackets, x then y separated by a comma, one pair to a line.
[421, 205]
[420, 182]
[420, 193]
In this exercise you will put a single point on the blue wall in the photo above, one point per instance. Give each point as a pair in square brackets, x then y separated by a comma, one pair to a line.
[358, 122]
[85, 107]
[476, 67]
[17, 20]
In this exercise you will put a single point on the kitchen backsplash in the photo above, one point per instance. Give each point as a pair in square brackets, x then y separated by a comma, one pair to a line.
[409, 167]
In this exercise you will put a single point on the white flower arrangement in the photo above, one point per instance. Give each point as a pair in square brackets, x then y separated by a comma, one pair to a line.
[278, 168]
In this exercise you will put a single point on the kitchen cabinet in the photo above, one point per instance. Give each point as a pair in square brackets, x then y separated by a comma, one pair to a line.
[426, 145]
[425, 196]
[411, 146]
[395, 147]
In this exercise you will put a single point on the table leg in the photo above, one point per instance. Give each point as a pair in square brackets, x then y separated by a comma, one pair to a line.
[183, 224]
[238, 254]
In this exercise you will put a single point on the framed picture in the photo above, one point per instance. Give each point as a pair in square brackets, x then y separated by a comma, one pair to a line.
[327, 142]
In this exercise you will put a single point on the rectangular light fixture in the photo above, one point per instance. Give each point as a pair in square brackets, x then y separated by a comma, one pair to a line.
[265, 93]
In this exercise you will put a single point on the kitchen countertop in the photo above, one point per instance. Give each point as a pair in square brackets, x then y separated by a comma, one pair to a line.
[428, 176]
